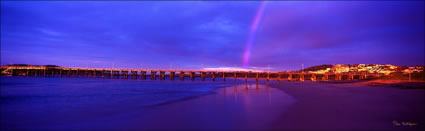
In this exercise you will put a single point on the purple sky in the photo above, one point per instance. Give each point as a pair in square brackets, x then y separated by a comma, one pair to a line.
[196, 34]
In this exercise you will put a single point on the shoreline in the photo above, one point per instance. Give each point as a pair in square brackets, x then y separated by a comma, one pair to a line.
[239, 107]
[310, 110]
[258, 106]
[246, 106]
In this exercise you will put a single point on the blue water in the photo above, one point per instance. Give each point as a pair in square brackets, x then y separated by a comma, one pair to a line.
[31, 102]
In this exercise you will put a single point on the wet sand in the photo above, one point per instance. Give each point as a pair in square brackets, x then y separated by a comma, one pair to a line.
[327, 106]
[296, 106]
[238, 107]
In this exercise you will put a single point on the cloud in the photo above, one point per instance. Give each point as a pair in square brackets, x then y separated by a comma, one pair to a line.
[49, 32]
[222, 25]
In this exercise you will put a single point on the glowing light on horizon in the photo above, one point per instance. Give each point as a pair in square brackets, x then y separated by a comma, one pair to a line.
[251, 35]
[232, 69]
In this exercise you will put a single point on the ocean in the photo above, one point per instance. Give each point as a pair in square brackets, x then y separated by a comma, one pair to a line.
[57, 103]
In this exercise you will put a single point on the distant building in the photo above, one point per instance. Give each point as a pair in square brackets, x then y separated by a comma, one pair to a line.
[370, 68]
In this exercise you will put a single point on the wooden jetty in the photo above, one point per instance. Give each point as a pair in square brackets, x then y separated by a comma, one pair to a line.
[158, 74]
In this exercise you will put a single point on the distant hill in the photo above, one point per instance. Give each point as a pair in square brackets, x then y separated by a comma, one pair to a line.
[18, 65]
[318, 67]
[51, 66]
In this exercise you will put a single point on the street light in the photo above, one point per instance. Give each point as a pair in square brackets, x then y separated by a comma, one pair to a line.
[302, 68]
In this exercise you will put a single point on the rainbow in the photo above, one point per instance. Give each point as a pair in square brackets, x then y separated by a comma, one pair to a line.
[251, 35]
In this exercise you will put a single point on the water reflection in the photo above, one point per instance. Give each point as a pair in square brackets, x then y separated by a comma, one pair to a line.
[243, 106]
[247, 92]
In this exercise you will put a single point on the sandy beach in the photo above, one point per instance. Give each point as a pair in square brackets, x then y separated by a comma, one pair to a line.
[356, 106]
[289, 106]
[360, 105]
